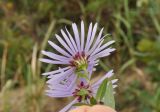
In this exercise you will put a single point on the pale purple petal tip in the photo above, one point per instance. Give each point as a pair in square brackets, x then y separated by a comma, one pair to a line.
[107, 75]
[66, 108]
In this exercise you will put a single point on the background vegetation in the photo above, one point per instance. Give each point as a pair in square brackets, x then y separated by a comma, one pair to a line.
[26, 25]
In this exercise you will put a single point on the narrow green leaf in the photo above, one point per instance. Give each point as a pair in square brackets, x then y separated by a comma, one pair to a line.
[101, 90]
[109, 97]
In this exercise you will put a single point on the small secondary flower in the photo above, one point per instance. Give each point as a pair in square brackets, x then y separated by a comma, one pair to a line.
[82, 92]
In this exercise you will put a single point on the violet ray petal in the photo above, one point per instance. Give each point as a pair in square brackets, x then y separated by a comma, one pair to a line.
[71, 90]
[68, 41]
[66, 82]
[71, 80]
[56, 71]
[95, 89]
[96, 49]
[90, 69]
[107, 44]
[61, 74]
[55, 56]
[88, 37]
[105, 52]
[82, 35]
[66, 108]
[72, 40]
[96, 86]
[102, 47]
[64, 44]
[76, 34]
[57, 96]
[93, 61]
[60, 50]
[98, 40]
[96, 46]
[52, 61]
[107, 75]
[54, 78]
[92, 37]
[60, 94]
[72, 108]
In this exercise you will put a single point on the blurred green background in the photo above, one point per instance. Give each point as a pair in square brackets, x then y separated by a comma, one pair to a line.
[26, 25]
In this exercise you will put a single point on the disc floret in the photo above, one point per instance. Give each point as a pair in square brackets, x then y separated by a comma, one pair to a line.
[80, 61]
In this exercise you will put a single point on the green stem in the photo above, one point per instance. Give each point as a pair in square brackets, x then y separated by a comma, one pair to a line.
[83, 75]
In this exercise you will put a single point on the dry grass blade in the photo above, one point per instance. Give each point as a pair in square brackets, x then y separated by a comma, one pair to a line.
[44, 43]
[3, 65]
[34, 61]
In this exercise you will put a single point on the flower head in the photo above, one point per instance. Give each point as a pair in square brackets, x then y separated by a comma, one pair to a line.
[80, 54]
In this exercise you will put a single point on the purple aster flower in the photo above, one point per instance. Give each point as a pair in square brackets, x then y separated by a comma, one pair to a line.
[77, 54]
[82, 92]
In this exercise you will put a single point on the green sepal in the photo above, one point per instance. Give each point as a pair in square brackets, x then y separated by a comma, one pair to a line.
[82, 75]
[93, 101]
